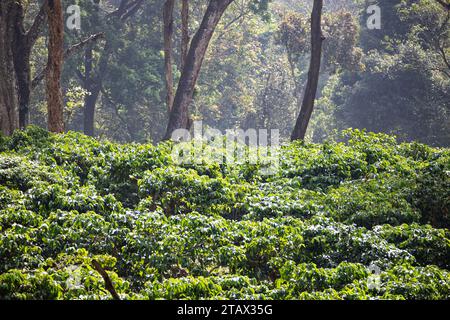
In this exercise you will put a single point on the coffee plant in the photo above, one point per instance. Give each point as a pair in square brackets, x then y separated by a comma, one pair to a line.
[220, 231]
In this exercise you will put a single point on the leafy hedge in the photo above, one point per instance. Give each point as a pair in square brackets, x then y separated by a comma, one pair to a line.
[210, 231]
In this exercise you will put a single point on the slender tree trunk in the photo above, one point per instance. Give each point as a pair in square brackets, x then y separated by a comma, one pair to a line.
[9, 120]
[55, 62]
[265, 116]
[22, 51]
[22, 46]
[89, 112]
[297, 86]
[313, 73]
[184, 31]
[23, 74]
[185, 39]
[93, 84]
[179, 116]
[168, 34]
[89, 100]
[93, 80]
[16, 50]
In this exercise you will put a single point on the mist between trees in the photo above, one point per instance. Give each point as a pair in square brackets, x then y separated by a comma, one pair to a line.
[136, 70]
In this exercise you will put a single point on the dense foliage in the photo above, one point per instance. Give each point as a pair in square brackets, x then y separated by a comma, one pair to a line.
[393, 80]
[404, 88]
[206, 231]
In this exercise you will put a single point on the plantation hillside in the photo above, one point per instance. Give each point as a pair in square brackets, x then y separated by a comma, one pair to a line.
[314, 230]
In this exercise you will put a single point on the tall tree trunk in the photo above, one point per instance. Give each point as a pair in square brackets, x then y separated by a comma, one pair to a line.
[23, 74]
[16, 50]
[55, 62]
[9, 120]
[93, 83]
[89, 111]
[22, 52]
[184, 31]
[179, 116]
[168, 34]
[313, 73]
[93, 80]
[90, 99]
[22, 45]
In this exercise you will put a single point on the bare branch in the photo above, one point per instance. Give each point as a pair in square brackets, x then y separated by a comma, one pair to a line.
[73, 49]
[242, 15]
[108, 283]
[444, 57]
[67, 54]
[135, 7]
[119, 11]
[37, 26]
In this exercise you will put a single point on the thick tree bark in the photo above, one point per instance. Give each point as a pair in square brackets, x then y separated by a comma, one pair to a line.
[22, 51]
[168, 34]
[54, 66]
[179, 116]
[17, 48]
[22, 45]
[184, 31]
[313, 73]
[9, 120]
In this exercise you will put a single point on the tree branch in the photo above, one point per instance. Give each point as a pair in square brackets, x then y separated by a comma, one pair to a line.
[134, 7]
[444, 57]
[233, 21]
[126, 9]
[36, 27]
[442, 48]
[108, 283]
[73, 49]
[67, 54]
[122, 6]
[80, 75]
[119, 11]
[443, 4]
